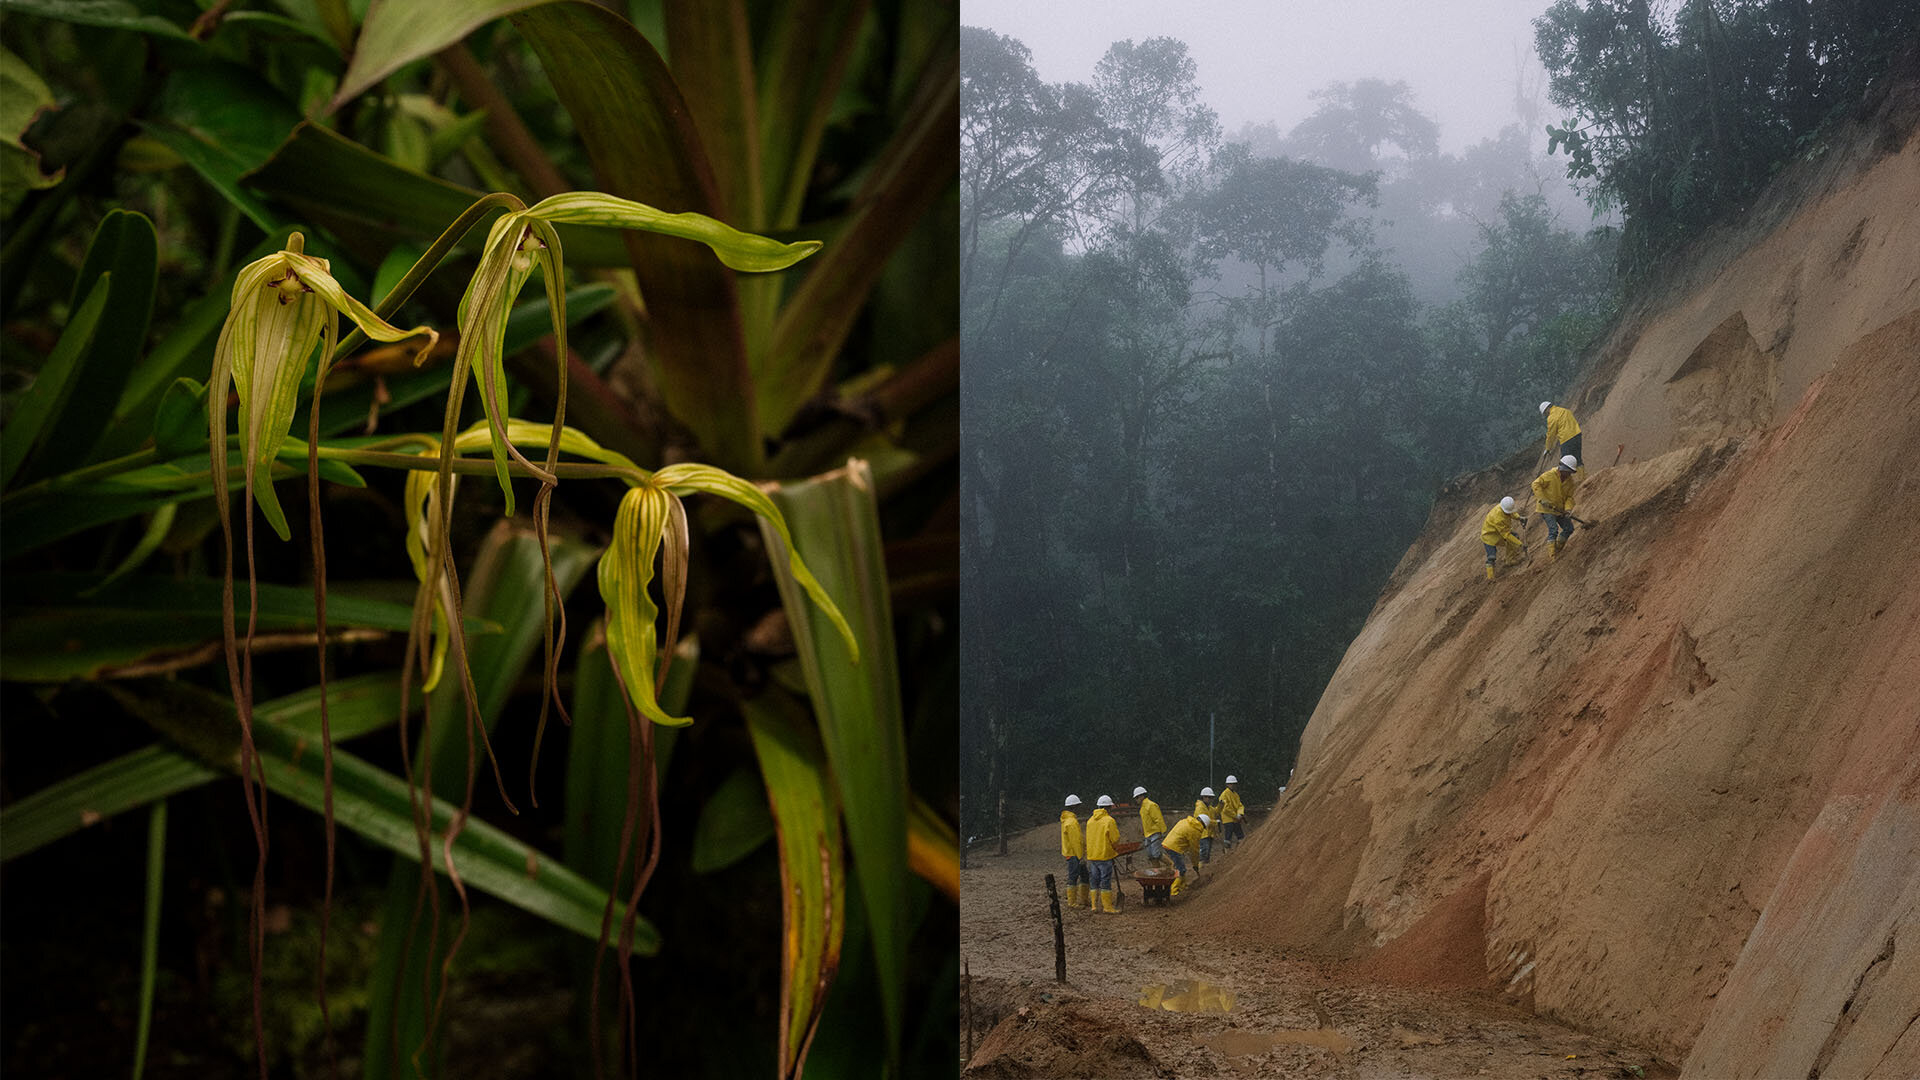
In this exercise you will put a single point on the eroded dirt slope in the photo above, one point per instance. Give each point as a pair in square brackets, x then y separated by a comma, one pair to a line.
[1666, 788]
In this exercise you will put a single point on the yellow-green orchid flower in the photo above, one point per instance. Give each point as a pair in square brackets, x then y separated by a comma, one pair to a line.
[282, 306]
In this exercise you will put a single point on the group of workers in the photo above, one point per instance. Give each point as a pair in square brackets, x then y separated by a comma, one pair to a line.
[1090, 852]
[1553, 493]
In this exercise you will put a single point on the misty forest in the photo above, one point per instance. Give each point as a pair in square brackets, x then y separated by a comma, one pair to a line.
[1214, 380]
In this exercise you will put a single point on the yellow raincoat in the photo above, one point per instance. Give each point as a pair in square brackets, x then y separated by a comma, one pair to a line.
[1554, 493]
[1070, 845]
[1561, 426]
[1103, 833]
[1231, 809]
[1150, 819]
[1185, 836]
[1202, 806]
[1497, 529]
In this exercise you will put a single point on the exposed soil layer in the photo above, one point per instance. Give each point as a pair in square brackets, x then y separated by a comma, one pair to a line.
[1665, 787]
[1291, 1015]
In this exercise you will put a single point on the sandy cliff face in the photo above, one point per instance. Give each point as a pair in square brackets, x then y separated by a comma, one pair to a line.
[1666, 787]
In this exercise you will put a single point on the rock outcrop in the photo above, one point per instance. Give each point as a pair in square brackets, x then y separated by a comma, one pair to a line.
[1667, 786]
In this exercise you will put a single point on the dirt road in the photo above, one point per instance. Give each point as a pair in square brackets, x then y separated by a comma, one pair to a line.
[1288, 1015]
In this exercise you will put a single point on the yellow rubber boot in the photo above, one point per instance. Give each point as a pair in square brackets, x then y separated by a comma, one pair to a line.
[1179, 885]
[1083, 896]
[1073, 895]
[1489, 571]
[1106, 901]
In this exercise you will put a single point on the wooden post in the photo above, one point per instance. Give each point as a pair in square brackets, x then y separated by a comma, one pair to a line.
[1059, 935]
[966, 1005]
[1003, 824]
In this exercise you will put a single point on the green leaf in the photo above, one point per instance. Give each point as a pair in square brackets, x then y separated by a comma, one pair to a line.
[150, 933]
[736, 249]
[734, 821]
[180, 421]
[358, 705]
[48, 395]
[54, 632]
[336, 182]
[802, 67]
[812, 866]
[635, 125]
[712, 49]
[125, 247]
[23, 96]
[225, 121]
[128, 781]
[112, 14]
[917, 167]
[835, 519]
[397, 32]
[373, 803]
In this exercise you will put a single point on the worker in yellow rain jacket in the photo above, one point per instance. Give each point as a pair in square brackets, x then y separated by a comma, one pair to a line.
[1232, 812]
[1183, 840]
[1563, 431]
[1202, 807]
[1103, 843]
[1554, 490]
[1496, 533]
[1075, 852]
[1153, 827]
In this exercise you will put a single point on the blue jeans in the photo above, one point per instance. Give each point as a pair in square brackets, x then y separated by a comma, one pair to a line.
[1102, 873]
[1231, 831]
[1179, 861]
[1076, 872]
[1154, 853]
[1559, 526]
[1571, 446]
[1206, 849]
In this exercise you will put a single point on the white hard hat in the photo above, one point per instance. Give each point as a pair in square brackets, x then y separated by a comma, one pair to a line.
[1139, 791]
[1545, 405]
[1205, 820]
[1073, 800]
[1206, 793]
[1105, 800]
[1233, 779]
[1507, 504]
[1570, 463]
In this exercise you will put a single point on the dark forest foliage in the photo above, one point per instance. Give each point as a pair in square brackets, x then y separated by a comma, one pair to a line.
[1204, 409]
[1679, 115]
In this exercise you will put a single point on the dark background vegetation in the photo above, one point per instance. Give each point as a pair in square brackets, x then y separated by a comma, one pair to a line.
[1213, 383]
[139, 118]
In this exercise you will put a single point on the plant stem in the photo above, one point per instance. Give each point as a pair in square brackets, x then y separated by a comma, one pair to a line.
[476, 466]
[126, 463]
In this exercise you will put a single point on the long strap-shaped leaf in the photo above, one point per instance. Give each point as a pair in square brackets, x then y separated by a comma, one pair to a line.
[806, 814]
[639, 132]
[836, 520]
[372, 802]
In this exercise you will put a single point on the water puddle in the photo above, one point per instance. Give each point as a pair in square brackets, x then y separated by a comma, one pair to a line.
[1242, 1043]
[1188, 996]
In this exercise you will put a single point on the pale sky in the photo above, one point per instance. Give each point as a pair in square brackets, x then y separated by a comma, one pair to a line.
[1260, 59]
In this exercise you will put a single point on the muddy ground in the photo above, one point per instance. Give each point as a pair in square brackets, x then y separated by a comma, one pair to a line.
[1290, 1015]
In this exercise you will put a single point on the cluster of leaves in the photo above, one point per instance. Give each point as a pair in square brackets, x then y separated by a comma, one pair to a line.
[202, 197]
[1678, 116]
[1206, 412]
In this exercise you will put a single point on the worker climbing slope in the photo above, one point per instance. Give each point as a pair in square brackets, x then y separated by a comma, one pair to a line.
[1563, 431]
[1496, 533]
[1553, 490]
[1182, 843]
[1075, 852]
[1153, 826]
[1103, 843]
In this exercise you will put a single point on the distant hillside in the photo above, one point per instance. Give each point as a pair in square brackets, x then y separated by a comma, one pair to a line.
[1666, 788]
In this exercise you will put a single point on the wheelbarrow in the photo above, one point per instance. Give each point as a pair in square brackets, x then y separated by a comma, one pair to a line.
[1156, 885]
